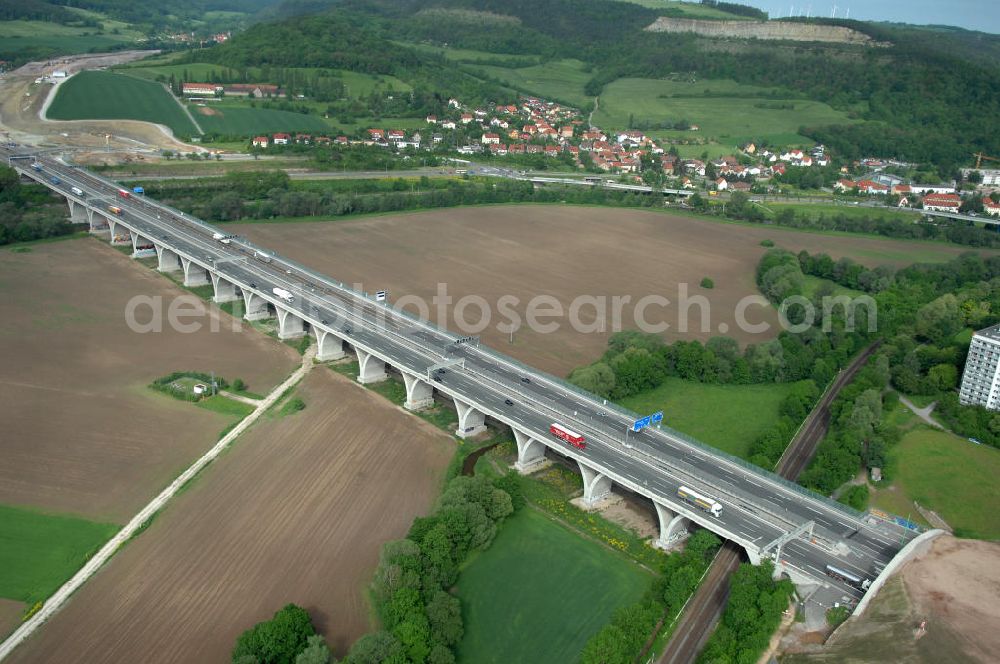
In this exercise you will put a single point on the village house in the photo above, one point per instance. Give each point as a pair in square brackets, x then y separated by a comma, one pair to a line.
[991, 208]
[199, 89]
[256, 90]
[739, 186]
[281, 139]
[304, 139]
[491, 139]
[260, 142]
[942, 202]
[870, 187]
[844, 184]
[466, 118]
[721, 184]
[448, 124]
[432, 119]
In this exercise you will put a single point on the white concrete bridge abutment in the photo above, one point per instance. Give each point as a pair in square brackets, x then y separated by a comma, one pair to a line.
[194, 274]
[530, 453]
[596, 485]
[370, 368]
[255, 307]
[673, 527]
[419, 393]
[328, 345]
[471, 422]
[290, 326]
[224, 290]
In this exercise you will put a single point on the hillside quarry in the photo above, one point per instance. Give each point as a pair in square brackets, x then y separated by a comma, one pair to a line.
[771, 30]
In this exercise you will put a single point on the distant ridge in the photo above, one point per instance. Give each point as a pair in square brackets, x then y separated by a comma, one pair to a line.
[773, 30]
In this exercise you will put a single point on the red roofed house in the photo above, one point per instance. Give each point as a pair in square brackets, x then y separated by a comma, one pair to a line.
[551, 151]
[721, 184]
[942, 202]
[739, 186]
[566, 131]
[376, 134]
[872, 187]
[199, 89]
[466, 118]
[282, 139]
[491, 139]
[844, 184]
[260, 142]
[901, 189]
[991, 208]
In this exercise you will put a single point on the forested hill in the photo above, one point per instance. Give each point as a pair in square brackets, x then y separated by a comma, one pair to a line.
[923, 102]
[147, 15]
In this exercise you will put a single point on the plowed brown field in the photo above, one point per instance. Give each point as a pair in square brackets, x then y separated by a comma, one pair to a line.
[82, 432]
[10, 615]
[296, 512]
[566, 252]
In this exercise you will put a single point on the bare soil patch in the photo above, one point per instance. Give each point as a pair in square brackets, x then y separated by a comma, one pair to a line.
[83, 433]
[953, 587]
[296, 512]
[10, 615]
[208, 110]
[565, 252]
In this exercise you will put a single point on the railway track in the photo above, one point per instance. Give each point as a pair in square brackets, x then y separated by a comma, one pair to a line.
[708, 602]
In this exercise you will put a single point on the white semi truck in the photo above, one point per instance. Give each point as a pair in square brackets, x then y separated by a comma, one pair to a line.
[283, 294]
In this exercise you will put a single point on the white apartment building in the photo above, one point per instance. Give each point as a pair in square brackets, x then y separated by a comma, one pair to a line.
[981, 378]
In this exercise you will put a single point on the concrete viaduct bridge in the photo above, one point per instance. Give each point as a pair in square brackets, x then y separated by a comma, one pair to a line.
[766, 515]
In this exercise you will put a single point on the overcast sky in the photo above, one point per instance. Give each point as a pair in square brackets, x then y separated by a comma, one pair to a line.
[983, 15]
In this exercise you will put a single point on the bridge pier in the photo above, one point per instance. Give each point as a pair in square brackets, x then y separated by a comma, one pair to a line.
[119, 234]
[595, 485]
[673, 527]
[753, 555]
[78, 212]
[328, 345]
[290, 326]
[370, 368]
[97, 224]
[194, 274]
[168, 260]
[255, 306]
[419, 393]
[225, 291]
[143, 243]
[530, 453]
[471, 422]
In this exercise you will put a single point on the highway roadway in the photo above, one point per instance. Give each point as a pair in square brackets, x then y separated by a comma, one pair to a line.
[758, 506]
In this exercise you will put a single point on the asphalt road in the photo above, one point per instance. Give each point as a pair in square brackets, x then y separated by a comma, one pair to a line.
[758, 506]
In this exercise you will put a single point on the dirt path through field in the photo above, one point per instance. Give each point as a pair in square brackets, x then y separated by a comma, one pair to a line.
[295, 511]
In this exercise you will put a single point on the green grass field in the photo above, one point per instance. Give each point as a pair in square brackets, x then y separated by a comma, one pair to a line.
[846, 209]
[947, 474]
[468, 55]
[36, 36]
[728, 417]
[540, 592]
[729, 120]
[558, 79]
[245, 121]
[812, 284]
[39, 552]
[103, 95]
[196, 71]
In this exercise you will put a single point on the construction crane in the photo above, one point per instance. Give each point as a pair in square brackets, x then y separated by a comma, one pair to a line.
[980, 157]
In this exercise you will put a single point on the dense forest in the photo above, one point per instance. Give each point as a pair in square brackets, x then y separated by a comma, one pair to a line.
[29, 211]
[922, 102]
[145, 15]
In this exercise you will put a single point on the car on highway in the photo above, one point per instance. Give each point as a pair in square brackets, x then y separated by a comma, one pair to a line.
[441, 371]
[437, 379]
[508, 402]
[525, 379]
